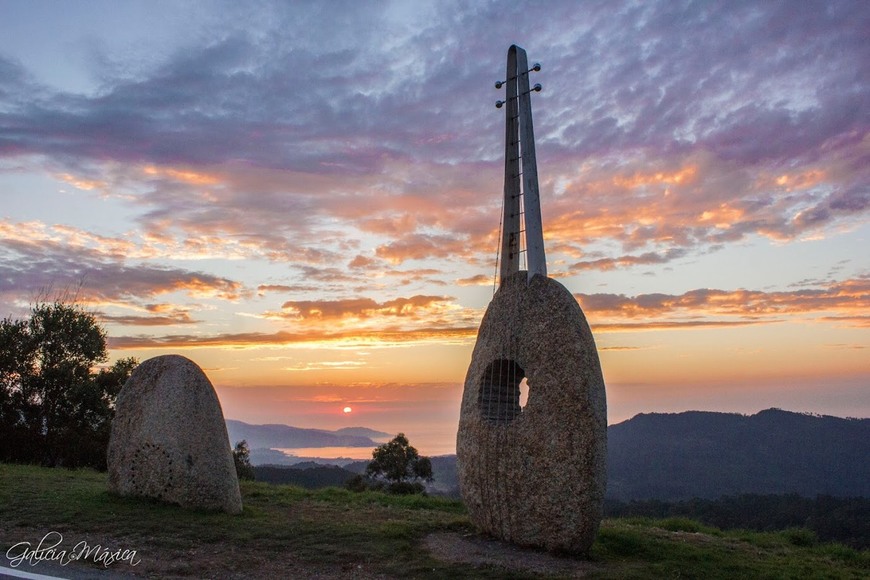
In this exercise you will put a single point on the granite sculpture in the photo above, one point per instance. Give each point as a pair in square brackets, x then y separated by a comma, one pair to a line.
[534, 475]
[169, 440]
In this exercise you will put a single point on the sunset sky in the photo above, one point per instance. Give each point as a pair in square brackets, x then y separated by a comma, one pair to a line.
[304, 197]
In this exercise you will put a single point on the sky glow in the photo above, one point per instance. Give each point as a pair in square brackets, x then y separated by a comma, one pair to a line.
[304, 197]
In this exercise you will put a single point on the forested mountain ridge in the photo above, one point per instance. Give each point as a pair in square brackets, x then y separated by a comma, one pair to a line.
[699, 454]
[707, 455]
[284, 436]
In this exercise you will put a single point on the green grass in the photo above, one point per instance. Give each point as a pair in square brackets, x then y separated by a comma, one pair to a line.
[291, 532]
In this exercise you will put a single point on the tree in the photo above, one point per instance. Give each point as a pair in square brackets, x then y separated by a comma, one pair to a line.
[400, 464]
[242, 461]
[54, 409]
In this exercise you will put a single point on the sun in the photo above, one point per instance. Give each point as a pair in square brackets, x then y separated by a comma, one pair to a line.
[347, 410]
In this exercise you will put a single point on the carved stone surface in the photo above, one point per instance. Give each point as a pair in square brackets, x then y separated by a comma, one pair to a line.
[534, 475]
[169, 440]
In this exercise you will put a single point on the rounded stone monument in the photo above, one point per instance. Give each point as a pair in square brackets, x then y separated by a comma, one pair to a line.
[534, 475]
[169, 440]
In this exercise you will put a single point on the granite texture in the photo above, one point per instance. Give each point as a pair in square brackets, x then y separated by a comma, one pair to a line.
[534, 476]
[169, 440]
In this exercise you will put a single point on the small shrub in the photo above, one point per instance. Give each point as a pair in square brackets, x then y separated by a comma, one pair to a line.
[842, 553]
[406, 488]
[242, 461]
[357, 483]
[684, 525]
[622, 542]
[800, 537]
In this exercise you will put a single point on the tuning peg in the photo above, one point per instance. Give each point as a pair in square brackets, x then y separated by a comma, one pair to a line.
[537, 88]
[498, 84]
[498, 104]
[536, 68]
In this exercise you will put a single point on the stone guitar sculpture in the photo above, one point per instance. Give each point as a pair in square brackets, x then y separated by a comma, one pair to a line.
[532, 475]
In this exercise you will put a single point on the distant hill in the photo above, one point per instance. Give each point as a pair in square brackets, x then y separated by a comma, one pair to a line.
[707, 455]
[283, 436]
[699, 454]
[364, 432]
[262, 456]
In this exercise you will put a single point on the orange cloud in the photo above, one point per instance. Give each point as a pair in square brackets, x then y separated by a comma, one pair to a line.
[672, 325]
[682, 176]
[422, 247]
[361, 308]
[723, 216]
[856, 321]
[363, 262]
[179, 318]
[157, 315]
[647, 258]
[343, 365]
[149, 245]
[794, 181]
[478, 280]
[262, 289]
[396, 225]
[82, 183]
[849, 297]
[206, 287]
[662, 203]
[352, 338]
[187, 176]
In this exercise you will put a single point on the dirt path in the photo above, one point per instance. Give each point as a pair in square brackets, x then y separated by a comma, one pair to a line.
[480, 551]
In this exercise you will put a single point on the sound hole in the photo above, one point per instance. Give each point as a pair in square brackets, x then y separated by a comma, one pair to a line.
[499, 395]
